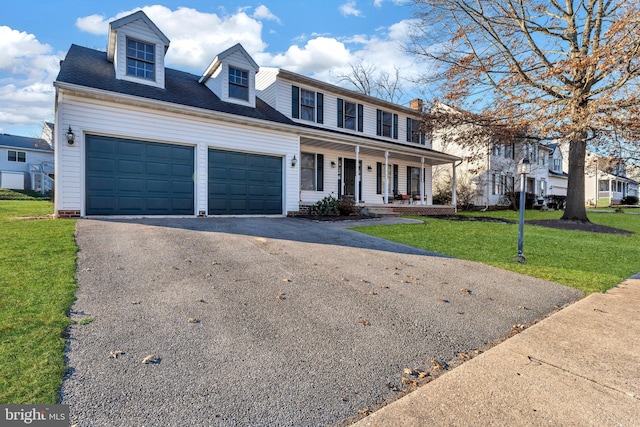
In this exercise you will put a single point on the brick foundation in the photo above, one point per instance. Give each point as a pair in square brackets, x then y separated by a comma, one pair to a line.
[68, 214]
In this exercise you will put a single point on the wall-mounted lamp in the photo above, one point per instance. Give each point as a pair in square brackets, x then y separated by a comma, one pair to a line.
[294, 161]
[70, 136]
[369, 168]
[333, 164]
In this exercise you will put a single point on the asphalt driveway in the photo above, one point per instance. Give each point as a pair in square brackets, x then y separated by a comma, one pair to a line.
[271, 321]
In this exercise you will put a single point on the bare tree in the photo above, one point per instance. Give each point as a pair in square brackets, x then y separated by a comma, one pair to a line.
[549, 69]
[367, 79]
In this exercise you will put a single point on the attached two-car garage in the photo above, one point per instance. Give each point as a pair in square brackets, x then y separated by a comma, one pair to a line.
[131, 177]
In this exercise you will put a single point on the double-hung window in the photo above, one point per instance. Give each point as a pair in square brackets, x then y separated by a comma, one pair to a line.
[238, 84]
[386, 124]
[17, 156]
[307, 105]
[311, 172]
[140, 59]
[350, 115]
[413, 131]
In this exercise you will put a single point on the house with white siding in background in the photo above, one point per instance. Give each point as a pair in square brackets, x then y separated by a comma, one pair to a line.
[27, 163]
[137, 138]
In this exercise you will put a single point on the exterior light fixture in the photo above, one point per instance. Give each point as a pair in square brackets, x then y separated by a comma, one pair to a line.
[369, 168]
[524, 168]
[70, 136]
[333, 164]
[294, 161]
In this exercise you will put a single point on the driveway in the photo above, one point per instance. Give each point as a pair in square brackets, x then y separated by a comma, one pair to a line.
[271, 321]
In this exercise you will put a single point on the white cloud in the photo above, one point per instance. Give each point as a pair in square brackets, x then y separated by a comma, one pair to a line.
[317, 56]
[263, 12]
[349, 8]
[27, 68]
[93, 24]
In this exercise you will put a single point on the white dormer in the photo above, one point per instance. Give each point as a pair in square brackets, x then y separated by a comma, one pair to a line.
[137, 48]
[232, 76]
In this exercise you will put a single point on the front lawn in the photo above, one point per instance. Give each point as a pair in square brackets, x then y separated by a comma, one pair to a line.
[592, 262]
[37, 287]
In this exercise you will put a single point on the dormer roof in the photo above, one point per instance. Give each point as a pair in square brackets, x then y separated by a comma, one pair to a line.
[114, 25]
[217, 61]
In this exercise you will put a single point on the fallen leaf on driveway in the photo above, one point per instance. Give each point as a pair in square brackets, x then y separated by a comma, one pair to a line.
[113, 354]
[193, 320]
[152, 358]
[465, 291]
[363, 322]
[280, 296]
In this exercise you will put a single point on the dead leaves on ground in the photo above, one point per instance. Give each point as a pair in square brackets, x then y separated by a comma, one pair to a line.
[150, 359]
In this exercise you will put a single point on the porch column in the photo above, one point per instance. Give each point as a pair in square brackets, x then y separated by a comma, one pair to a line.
[422, 183]
[386, 177]
[356, 190]
[454, 201]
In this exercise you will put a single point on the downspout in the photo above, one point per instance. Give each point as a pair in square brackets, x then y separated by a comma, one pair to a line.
[356, 190]
[422, 181]
[386, 177]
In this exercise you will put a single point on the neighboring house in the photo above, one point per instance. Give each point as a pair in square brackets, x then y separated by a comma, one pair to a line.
[238, 139]
[26, 163]
[606, 181]
[487, 175]
[558, 179]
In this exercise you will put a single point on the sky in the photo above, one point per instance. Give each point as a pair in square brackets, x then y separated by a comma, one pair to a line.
[318, 38]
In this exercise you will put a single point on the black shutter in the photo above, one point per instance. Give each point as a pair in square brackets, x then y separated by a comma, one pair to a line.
[340, 113]
[409, 180]
[295, 102]
[395, 126]
[378, 122]
[409, 130]
[320, 108]
[378, 178]
[395, 179]
[360, 118]
[319, 172]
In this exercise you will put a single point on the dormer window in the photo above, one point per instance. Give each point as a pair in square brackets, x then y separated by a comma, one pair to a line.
[140, 59]
[238, 84]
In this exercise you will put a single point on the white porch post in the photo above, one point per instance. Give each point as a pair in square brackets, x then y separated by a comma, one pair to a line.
[422, 181]
[454, 201]
[356, 190]
[386, 177]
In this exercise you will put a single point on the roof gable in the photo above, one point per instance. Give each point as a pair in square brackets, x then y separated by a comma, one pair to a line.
[24, 142]
[217, 61]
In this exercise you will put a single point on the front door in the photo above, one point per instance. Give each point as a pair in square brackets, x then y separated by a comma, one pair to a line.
[349, 177]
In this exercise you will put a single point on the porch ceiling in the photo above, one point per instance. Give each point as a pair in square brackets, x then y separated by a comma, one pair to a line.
[397, 152]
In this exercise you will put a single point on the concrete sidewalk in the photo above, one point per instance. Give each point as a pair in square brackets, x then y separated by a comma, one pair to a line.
[579, 367]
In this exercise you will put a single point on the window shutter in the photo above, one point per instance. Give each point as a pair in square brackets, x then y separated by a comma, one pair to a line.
[295, 102]
[360, 118]
[378, 178]
[395, 126]
[340, 113]
[395, 179]
[409, 129]
[320, 108]
[320, 172]
[409, 180]
[378, 122]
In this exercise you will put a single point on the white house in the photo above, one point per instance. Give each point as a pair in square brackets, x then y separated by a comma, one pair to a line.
[26, 163]
[558, 179]
[236, 140]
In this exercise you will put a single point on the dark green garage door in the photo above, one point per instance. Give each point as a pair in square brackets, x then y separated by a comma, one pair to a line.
[126, 177]
[244, 184]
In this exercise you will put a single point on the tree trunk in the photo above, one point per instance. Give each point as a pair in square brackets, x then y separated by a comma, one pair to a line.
[575, 209]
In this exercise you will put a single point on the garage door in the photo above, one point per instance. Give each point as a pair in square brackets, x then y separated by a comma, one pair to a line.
[127, 177]
[244, 184]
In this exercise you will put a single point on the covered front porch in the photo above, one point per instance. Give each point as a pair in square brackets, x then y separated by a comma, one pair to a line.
[389, 177]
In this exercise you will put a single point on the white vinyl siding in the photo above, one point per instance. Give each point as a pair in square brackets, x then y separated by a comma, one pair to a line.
[97, 117]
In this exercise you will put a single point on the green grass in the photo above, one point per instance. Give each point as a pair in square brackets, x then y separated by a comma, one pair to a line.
[37, 286]
[592, 262]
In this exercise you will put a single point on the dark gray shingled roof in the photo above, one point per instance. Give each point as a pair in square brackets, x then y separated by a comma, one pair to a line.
[24, 142]
[90, 68]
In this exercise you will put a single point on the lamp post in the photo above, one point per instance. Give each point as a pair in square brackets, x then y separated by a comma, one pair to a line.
[524, 168]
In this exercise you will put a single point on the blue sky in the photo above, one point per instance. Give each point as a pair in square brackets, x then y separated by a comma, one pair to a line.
[312, 37]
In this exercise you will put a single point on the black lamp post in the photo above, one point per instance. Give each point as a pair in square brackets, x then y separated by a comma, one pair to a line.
[524, 168]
